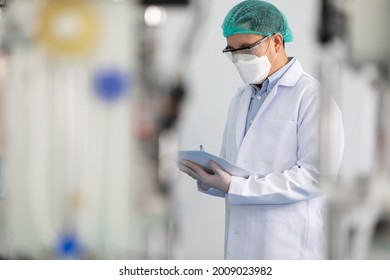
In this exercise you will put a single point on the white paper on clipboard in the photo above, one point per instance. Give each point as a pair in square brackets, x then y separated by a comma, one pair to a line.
[203, 159]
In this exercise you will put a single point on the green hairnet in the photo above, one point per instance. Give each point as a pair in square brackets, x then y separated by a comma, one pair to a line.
[256, 17]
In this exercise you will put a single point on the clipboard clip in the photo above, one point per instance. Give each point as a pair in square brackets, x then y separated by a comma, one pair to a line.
[201, 148]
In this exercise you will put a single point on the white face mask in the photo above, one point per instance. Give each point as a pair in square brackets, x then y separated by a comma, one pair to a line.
[253, 69]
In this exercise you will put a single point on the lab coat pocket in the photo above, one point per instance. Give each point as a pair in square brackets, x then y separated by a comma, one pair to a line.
[266, 232]
[278, 138]
[277, 237]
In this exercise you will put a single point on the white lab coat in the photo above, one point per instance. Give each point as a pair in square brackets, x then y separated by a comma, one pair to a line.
[278, 214]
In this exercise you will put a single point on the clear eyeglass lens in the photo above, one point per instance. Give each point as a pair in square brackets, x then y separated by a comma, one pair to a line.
[233, 56]
[252, 51]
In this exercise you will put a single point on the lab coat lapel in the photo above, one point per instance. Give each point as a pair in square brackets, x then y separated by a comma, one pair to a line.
[243, 149]
[241, 115]
[267, 102]
[289, 79]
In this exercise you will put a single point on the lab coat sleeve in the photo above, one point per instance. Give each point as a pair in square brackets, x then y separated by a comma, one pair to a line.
[301, 181]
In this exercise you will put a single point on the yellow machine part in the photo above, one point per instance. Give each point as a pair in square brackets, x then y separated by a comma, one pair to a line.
[68, 27]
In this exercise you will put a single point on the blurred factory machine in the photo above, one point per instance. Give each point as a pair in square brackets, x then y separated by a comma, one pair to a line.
[88, 129]
[355, 69]
[69, 155]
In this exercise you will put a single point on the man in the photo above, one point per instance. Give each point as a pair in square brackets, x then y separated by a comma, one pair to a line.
[273, 129]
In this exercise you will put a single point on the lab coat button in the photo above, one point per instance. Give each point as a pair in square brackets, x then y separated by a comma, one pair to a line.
[259, 97]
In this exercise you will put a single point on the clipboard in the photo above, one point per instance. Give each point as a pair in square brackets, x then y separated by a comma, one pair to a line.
[203, 159]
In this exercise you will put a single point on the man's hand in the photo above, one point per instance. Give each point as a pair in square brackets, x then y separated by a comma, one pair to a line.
[220, 179]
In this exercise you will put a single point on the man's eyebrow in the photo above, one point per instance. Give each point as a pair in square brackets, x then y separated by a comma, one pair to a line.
[244, 45]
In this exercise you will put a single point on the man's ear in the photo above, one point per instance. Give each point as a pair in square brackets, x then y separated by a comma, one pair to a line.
[278, 41]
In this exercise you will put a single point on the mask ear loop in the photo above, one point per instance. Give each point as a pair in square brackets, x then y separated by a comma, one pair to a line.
[274, 58]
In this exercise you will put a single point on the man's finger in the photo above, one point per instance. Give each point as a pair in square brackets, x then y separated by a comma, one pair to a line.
[188, 171]
[197, 169]
[185, 169]
[192, 166]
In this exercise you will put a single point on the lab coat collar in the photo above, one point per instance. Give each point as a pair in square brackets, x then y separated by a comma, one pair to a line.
[292, 75]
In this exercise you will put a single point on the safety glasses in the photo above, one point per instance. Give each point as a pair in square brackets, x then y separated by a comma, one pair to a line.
[249, 50]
